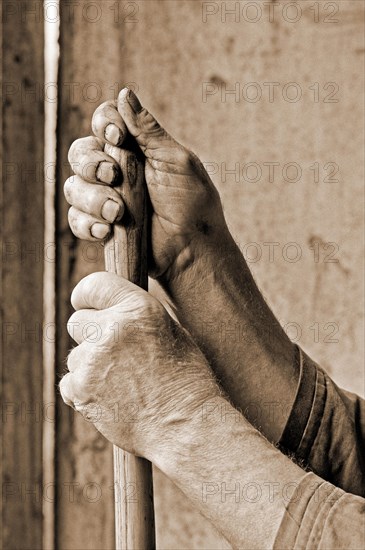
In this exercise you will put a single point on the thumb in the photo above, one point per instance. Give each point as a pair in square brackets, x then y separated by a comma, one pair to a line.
[141, 124]
[101, 291]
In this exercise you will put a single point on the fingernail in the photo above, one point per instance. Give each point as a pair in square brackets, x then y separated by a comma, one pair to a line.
[111, 211]
[106, 172]
[134, 101]
[114, 135]
[99, 230]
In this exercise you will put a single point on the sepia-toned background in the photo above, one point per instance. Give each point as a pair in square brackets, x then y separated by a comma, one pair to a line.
[270, 96]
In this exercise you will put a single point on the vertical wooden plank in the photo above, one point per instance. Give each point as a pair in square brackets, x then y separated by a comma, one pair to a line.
[51, 56]
[91, 68]
[22, 147]
[1, 284]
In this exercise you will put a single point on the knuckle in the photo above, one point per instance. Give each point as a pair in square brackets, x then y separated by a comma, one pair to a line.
[106, 107]
[75, 147]
[89, 200]
[91, 143]
[82, 381]
[62, 384]
[100, 108]
[92, 281]
[83, 226]
[71, 359]
[85, 385]
[87, 165]
[99, 118]
[64, 388]
[82, 147]
[90, 286]
[67, 188]
[96, 122]
[73, 217]
[80, 224]
[73, 321]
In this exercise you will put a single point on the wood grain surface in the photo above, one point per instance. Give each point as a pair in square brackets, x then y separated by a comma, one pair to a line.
[21, 227]
[125, 253]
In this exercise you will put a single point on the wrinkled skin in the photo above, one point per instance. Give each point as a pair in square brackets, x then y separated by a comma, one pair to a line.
[136, 374]
[186, 208]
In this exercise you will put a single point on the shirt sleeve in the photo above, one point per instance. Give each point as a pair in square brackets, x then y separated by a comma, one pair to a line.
[326, 429]
[322, 516]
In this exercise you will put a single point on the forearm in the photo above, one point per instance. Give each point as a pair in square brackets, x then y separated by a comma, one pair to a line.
[219, 302]
[239, 481]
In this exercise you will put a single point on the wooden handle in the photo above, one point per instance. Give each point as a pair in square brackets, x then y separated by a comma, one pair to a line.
[126, 254]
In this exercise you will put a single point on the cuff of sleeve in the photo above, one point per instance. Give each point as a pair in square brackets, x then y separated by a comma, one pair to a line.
[305, 417]
[305, 517]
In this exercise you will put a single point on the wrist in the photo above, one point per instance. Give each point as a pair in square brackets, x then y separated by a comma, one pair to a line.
[203, 436]
[189, 387]
[205, 254]
[218, 462]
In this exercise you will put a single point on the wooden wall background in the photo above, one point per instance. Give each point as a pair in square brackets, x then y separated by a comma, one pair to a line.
[170, 51]
[22, 196]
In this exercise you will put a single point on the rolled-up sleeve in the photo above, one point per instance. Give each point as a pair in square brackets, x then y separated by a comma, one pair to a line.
[326, 429]
[323, 517]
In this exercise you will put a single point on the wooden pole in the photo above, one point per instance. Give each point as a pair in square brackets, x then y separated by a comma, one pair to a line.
[23, 252]
[125, 253]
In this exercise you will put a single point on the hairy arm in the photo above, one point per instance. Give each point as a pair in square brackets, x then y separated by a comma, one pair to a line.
[234, 477]
[218, 301]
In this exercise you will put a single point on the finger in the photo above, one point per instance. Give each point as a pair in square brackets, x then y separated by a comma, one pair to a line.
[100, 201]
[84, 326]
[102, 290]
[140, 123]
[87, 227]
[74, 389]
[88, 160]
[79, 356]
[108, 125]
[67, 390]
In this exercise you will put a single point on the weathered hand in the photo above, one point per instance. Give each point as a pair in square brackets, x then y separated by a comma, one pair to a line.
[136, 374]
[193, 256]
[186, 208]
